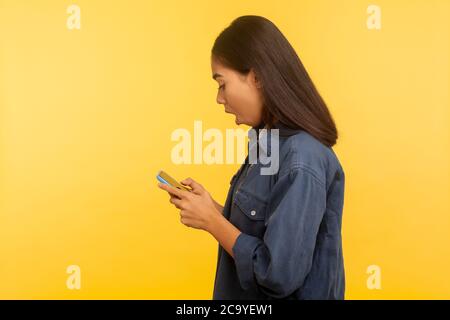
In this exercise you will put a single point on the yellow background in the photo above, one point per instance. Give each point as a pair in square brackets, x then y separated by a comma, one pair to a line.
[86, 118]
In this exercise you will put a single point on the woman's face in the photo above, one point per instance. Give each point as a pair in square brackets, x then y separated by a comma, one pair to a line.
[240, 94]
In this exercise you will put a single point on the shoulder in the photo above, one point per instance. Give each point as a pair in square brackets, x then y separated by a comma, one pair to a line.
[304, 152]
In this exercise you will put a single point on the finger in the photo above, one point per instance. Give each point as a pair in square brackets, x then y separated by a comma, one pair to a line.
[196, 187]
[186, 221]
[173, 191]
[177, 202]
[185, 213]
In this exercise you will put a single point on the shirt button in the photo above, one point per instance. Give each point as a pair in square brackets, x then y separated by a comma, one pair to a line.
[253, 212]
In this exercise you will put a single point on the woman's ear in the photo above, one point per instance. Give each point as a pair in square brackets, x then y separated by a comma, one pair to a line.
[254, 79]
[258, 83]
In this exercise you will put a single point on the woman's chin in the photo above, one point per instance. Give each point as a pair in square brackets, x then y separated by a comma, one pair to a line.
[237, 120]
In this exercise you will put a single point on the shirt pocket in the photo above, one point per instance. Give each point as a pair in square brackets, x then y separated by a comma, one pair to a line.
[252, 207]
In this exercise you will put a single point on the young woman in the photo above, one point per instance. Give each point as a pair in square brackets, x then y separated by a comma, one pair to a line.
[280, 234]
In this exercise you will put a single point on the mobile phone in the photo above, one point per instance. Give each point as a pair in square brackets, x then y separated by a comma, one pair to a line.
[167, 179]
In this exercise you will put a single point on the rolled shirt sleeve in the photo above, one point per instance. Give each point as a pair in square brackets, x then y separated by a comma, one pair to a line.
[279, 263]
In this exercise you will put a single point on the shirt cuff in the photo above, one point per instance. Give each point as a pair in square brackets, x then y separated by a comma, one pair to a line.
[243, 251]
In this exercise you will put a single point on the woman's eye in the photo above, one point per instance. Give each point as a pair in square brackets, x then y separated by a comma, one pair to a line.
[221, 87]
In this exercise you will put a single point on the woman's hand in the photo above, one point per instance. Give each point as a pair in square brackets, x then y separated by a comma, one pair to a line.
[198, 209]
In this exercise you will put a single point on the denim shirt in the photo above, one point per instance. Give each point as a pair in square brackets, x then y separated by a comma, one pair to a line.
[290, 246]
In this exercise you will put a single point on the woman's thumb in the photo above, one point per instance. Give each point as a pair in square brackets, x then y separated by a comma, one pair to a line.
[192, 183]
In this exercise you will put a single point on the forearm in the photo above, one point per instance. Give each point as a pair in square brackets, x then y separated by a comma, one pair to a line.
[224, 232]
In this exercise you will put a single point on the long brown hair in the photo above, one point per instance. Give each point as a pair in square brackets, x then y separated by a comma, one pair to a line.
[289, 95]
